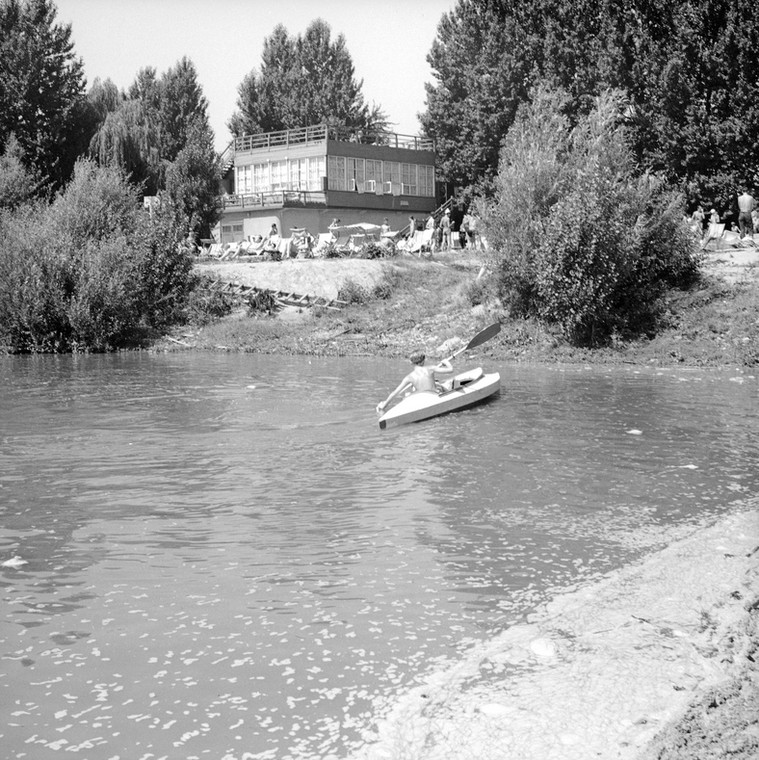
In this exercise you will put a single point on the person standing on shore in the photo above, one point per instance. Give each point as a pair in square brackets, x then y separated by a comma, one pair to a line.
[445, 225]
[746, 205]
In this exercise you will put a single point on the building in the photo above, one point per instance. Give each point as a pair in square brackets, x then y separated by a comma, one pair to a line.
[308, 177]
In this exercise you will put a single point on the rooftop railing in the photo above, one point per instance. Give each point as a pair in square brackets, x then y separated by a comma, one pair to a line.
[321, 132]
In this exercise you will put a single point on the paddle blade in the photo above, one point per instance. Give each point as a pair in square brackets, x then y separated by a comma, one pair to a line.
[484, 335]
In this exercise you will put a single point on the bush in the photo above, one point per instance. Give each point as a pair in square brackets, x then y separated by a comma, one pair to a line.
[91, 271]
[205, 305]
[478, 291]
[352, 293]
[377, 250]
[583, 242]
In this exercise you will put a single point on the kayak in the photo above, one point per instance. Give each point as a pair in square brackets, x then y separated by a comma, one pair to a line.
[462, 391]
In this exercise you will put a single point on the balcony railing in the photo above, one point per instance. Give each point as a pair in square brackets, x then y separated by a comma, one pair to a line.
[321, 132]
[276, 198]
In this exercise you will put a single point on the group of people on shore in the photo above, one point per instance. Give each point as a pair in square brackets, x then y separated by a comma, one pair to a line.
[444, 232]
[748, 217]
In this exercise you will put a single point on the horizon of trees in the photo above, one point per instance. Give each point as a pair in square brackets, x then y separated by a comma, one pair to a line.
[687, 68]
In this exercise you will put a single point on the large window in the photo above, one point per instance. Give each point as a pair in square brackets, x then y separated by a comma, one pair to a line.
[244, 181]
[344, 173]
[427, 180]
[355, 169]
[260, 178]
[299, 174]
[391, 171]
[317, 169]
[408, 179]
[279, 175]
[337, 180]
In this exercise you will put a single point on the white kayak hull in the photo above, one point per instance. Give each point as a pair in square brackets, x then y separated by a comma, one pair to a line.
[468, 388]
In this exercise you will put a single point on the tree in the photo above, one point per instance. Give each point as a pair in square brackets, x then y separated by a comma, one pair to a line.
[128, 139]
[687, 67]
[152, 125]
[700, 123]
[245, 121]
[41, 88]
[18, 184]
[483, 59]
[181, 106]
[193, 181]
[308, 79]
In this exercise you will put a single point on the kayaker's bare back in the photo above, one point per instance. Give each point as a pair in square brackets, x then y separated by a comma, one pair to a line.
[422, 378]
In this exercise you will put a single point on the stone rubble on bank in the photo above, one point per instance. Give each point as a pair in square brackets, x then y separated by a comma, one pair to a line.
[601, 671]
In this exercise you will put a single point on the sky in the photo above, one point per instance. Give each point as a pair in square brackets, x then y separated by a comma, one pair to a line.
[388, 41]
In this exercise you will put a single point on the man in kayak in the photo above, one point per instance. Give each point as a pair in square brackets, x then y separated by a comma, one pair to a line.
[420, 378]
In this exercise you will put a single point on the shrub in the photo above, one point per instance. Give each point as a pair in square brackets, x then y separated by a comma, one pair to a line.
[478, 291]
[583, 242]
[334, 251]
[532, 176]
[352, 293]
[376, 251]
[204, 304]
[92, 270]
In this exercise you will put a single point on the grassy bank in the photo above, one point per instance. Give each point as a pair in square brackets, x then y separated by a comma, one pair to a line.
[412, 303]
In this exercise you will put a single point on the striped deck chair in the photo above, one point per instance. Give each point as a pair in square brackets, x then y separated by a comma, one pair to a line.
[714, 233]
[324, 241]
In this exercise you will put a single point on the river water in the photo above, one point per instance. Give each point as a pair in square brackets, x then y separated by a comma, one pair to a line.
[226, 558]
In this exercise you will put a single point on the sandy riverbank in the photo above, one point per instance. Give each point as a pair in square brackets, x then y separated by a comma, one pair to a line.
[658, 661]
[313, 277]
[325, 277]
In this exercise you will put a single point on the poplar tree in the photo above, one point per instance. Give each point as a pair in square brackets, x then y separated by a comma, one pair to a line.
[305, 79]
[41, 88]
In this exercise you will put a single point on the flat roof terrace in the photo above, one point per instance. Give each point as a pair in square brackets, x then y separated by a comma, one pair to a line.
[320, 133]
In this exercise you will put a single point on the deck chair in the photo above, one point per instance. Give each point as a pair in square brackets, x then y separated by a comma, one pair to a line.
[356, 243]
[414, 244]
[715, 232]
[256, 247]
[324, 241]
[425, 242]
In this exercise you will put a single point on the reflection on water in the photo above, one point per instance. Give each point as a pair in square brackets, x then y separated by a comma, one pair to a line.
[226, 556]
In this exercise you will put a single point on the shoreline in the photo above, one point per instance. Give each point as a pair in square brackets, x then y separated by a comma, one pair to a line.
[414, 304]
[658, 661]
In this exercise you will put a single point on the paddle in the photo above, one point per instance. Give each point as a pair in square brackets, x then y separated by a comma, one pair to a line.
[482, 336]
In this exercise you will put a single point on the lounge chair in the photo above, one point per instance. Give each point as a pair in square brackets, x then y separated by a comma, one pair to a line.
[715, 232]
[325, 240]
